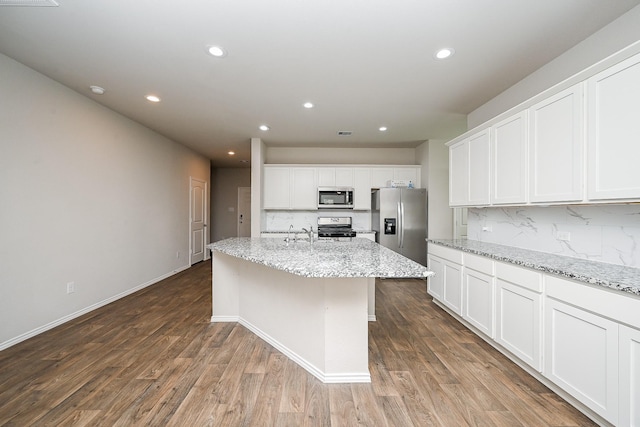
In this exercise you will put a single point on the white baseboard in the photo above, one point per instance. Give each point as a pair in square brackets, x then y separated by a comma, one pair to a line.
[65, 319]
[224, 319]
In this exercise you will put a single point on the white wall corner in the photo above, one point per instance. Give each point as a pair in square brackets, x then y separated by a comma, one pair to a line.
[258, 151]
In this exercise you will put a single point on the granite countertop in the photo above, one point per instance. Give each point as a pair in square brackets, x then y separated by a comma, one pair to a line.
[357, 258]
[621, 278]
[301, 231]
[286, 231]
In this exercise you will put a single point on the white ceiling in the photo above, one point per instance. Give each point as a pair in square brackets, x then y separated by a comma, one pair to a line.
[363, 63]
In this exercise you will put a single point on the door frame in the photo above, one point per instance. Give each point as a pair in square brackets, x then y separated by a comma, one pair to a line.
[240, 189]
[206, 217]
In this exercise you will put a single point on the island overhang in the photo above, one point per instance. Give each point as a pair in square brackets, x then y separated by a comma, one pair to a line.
[356, 258]
[310, 301]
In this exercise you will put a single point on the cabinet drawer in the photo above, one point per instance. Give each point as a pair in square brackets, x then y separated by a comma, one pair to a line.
[520, 276]
[608, 303]
[449, 254]
[478, 263]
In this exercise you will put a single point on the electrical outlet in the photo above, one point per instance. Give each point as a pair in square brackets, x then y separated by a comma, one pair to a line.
[563, 235]
[71, 287]
[487, 228]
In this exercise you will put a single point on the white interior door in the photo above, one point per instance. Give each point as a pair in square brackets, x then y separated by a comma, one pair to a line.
[244, 212]
[197, 220]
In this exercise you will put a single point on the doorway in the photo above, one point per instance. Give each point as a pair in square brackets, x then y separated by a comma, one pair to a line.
[244, 212]
[197, 220]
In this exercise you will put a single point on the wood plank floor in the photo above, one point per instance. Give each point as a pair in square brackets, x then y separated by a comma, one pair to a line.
[154, 359]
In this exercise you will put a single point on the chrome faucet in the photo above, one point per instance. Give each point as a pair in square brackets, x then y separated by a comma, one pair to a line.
[288, 238]
[309, 232]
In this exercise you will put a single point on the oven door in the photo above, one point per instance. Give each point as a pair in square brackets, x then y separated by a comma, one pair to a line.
[335, 198]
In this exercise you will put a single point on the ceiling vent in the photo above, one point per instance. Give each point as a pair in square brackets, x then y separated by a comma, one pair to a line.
[344, 133]
[39, 3]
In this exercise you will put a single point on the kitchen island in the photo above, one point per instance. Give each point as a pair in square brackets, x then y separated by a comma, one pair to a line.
[310, 301]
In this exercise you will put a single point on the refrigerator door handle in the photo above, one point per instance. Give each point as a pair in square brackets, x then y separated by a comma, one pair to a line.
[402, 224]
[399, 225]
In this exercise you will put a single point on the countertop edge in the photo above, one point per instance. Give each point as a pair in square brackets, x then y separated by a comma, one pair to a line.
[499, 255]
[258, 251]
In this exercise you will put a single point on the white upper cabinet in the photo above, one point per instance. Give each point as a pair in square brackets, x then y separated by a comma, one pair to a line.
[509, 166]
[479, 174]
[335, 177]
[304, 189]
[276, 192]
[573, 144]
[614, 131]
[290, 188]
[556, 141]
[380, 176]
[296, 187]
[326, 177]
[459, 174]
[362, 189]
[469, 170]
[344, 177]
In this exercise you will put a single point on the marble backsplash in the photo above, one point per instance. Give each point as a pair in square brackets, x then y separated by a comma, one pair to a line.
[281, 220]
[607, 233]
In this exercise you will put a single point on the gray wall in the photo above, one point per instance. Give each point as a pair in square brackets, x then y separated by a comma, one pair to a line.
[224, 197]
[340, 155]
[86, 196]
[610, 39]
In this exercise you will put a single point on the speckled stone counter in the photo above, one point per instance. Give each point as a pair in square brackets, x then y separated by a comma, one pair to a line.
[357, 258]
[625, 279]
[312, 302]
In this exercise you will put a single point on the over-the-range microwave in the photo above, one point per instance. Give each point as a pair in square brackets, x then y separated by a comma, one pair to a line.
[335, 198]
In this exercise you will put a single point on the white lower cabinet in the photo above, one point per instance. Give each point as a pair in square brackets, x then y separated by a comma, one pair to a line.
[446, 284]
[453, 286]
[435, 283]
[583, 338]
[581, 356]
[479, 293]
[519, 313]
[629, 376]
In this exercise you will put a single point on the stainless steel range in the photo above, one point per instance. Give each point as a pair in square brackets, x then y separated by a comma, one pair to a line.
[335, 228]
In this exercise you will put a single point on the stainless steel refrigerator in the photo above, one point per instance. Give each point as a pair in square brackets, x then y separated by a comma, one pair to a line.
[399, 218]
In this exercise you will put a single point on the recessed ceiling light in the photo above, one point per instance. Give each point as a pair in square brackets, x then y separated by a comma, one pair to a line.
[307, 105]
[264, 127]
[382, 128]
[216, 51]
[97, 90]
[231, 153]
[444, 53]
[152, 98]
